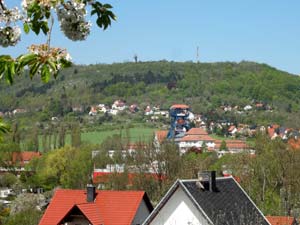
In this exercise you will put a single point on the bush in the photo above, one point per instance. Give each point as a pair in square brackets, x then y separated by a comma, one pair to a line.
[8, 180]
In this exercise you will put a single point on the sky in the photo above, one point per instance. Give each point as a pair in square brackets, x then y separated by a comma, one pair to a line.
[264, 31]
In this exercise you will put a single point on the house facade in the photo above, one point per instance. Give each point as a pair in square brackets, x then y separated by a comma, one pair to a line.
[206, 201]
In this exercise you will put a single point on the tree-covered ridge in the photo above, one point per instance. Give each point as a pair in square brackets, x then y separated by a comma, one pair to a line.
[204, 86]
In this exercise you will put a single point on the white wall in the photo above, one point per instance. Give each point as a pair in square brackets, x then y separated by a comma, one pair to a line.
[179, 210]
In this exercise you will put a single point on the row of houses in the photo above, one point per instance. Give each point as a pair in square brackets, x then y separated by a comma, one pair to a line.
[207, 200]
[119, 106]
[249, 107]
[13, 112]
[198, 139]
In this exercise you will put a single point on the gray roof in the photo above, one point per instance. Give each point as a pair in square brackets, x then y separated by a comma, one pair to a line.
[228, 205]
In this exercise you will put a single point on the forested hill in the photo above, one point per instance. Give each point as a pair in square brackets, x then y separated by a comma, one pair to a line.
[202, 85]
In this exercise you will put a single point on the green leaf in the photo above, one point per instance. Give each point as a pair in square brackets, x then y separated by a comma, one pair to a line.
[99, 22]
[5, 58]
[45, 27]
[12, 68]
[93, 11]
[33, 69]
[52, 65]
[65, 63]
[26, 28]
[27, 59]
[45, 73]
[4, 128]
[8, 73]
[108, 6]
[36, 28]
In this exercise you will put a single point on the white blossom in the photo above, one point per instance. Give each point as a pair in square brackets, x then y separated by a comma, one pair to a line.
[71, 16]
[10, 15]
[42, 3]
[9, 36]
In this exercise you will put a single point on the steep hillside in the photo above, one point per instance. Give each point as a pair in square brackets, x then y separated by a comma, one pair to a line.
[204, 86]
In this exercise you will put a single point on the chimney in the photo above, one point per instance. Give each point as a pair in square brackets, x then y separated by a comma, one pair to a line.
[208, 180]
[212, 181]
[90, 193]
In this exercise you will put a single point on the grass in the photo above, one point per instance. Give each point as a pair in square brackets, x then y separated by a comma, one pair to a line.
[135, 134]
[218, 137]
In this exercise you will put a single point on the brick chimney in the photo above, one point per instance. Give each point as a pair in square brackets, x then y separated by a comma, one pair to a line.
[90, 193]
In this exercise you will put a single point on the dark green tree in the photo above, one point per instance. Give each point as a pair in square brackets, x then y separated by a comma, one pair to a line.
[223, 146]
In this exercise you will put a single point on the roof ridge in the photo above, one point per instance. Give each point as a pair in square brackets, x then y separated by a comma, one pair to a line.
[195, 179]
[84, 203]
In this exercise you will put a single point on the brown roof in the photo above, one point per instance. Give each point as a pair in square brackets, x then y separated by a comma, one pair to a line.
[196, 138]
[231, 128]
[161, 135]
[22, 157]
[233, 144]
[180, 106]
[281, 220]
[294, 143]
[196, 131]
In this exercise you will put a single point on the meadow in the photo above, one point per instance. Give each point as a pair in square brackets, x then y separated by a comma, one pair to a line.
[132, 135]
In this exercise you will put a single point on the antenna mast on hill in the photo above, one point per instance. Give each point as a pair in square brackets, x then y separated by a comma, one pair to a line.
[197, 55]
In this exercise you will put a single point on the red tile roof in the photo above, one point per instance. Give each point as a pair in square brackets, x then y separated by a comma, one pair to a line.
[180, 106]
[231, 128]
[23, 157]
[161, 135]
[109, 207]
[281, 220]
[271, 130]
[232, 144]
[294, 143]
[119, 207]
[196, 131]
[92, 212]
[196, 138]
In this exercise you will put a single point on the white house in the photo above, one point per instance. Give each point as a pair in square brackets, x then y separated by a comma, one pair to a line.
[206, 201]
[195, 138]
[93, 111]
[247, 107]
[119, 105]
[148, 111]
[4, 193]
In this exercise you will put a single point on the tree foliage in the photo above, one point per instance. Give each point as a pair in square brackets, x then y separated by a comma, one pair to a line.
[67, 167]
[270, 177]
[3, 128]
[38, 17]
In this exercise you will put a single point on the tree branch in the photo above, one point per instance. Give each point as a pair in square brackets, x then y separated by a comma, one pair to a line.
[50, 31]
[2, 5]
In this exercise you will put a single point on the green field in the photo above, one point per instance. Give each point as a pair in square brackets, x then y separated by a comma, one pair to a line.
[136, 134]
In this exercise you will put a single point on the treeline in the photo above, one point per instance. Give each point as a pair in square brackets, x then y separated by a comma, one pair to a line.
[136, 78]
[204, 86]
